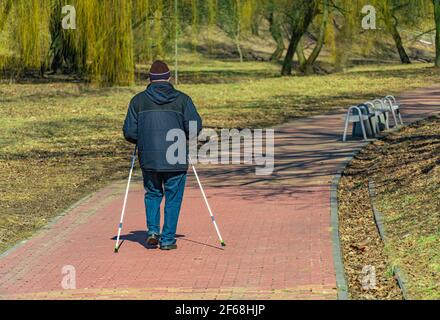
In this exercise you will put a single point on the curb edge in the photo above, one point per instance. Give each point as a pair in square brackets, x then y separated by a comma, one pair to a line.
[378, 220]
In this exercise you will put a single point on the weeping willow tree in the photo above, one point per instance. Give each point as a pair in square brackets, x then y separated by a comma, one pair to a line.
[198, 17]
[236, 19]
[345, 29]
[63, 53]
[300, 18]
[28, 36]
[396, 14]
[390, 10]
[257, 14]
[118, 67]
[212, 20]
[158, 30]
[331, 36]
[230, 21]
[194, 22]
[156, 26]
[299, 15]
[106, 53]
[307, 64]
[112, 36]
[274, 18]
[393, 16]
[142, 26]
[5, 9]
[101, 46]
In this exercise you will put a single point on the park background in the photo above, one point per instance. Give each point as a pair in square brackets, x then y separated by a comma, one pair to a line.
[246, 63]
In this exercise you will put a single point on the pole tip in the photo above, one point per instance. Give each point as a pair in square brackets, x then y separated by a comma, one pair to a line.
[223, 244]
[116, 250]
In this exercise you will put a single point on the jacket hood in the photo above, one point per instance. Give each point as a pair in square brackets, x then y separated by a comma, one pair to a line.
[162, 92]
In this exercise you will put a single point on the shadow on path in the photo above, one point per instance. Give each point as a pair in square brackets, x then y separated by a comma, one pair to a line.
[140, 237]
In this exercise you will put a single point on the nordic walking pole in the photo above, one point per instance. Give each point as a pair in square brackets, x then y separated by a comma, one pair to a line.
[125, 200]
[207, 204]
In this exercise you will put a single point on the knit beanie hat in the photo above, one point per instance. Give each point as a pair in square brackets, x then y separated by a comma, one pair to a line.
[159, 71]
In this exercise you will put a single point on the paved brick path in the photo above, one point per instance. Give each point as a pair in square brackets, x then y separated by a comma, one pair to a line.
[277, 230]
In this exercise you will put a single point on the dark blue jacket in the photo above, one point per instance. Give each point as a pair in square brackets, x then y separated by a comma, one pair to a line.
[151, 115]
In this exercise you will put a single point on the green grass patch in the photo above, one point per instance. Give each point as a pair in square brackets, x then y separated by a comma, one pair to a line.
[409, 199]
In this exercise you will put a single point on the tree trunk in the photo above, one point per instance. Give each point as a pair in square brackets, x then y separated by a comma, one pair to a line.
[404, 58]
[303, 15]
[237, 44]
[437, 37]
[288, 60]
[57, 60]
[302, 60]
[309, 66]
[255, 27]
[277, 35]
[392, 23]
[56, 36]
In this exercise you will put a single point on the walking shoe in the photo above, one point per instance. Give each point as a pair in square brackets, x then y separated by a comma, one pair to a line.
[153, 240]
[168, 247]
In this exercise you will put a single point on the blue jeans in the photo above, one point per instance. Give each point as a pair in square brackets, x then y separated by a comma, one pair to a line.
[155, 183]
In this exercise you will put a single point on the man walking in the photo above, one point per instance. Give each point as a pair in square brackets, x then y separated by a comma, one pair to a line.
[151, 116]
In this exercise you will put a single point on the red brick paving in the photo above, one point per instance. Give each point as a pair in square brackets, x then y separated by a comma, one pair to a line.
[277, 231]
